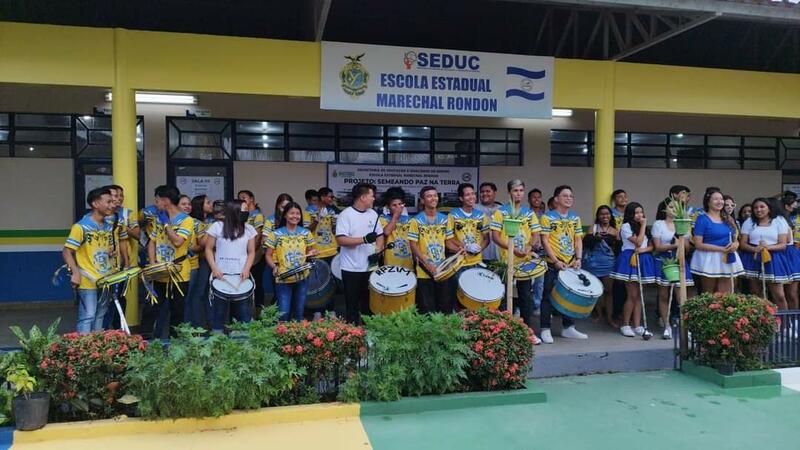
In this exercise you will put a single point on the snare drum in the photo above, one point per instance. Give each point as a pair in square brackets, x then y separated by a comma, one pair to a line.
[336, 267]
[480, 288]
[231, 288]
[576, 292]
[320, 287]
[530, 270]
[118, 277]
[159, 270]
[449, 267]
[295, 271]
[391, 288]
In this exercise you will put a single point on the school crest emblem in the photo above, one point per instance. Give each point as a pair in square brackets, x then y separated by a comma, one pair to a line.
[354, 77]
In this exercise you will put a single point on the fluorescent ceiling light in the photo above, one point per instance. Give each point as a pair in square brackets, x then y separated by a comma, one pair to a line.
[562, 113]
[172, 99]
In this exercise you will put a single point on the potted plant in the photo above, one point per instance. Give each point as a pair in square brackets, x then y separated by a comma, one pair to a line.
[512, 222]
[671, 269]
[30, 408]
[680, 216]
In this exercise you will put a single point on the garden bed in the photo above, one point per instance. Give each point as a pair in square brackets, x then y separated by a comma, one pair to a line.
[750, 378]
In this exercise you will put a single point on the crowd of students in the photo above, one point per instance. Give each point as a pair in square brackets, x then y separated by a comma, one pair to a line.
[207, 240]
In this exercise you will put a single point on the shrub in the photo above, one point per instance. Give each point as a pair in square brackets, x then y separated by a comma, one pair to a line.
[411, 354]
[83, 372]
[201, 377]
[732, 328]
[503, 349]
[329, 350]
[6, 398]
[33, 347]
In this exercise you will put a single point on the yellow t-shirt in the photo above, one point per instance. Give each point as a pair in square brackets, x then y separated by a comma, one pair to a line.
[119, 222]
[325, 232]
[522, 241]
[561, 233]
[148, 215]
[430, 236]
[94, 248]
[400, 254]
[200, 229]
[183, 225]
[469, 229]
[289, 250]
[256, 219]
[270, 224]
[618, 217]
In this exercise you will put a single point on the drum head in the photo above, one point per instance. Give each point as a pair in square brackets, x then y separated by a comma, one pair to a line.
[319, 277]
[571, 279]
[231, 285]
[336, 268]
[481, 284]
[392, 280]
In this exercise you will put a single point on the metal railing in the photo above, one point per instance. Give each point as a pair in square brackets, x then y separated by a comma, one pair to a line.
[783, 351]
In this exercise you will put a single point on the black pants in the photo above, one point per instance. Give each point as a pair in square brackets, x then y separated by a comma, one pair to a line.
[159, 320]
[433, 296]
[525, 301]
[548, 310]
[258, 275]
[356, 295]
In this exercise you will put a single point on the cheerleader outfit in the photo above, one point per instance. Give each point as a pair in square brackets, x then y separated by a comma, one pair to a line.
[715, 264]
[661, 231]
[777, 269]
[625, 270]
[792, 252]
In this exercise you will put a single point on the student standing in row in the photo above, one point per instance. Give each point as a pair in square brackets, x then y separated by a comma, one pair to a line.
[470, 228]
[396, 224]
[488, 205]
[715, 257]
[427, 235]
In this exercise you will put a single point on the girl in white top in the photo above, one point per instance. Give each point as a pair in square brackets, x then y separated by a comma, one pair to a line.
[763, 243]
[635, 265]
[665, 246]
[230, 248]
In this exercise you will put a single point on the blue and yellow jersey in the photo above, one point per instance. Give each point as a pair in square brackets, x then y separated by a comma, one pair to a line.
[561, 233]
[528, 226]
[183, 225]
[400, 254]
[270, 224]
[119, 223]
[93, 245]
[793, 222]
[618, 217]
[325, 232]
[200, 228]
[469, 229]
[430, 236]
[256, 219]
[148, 216]
[289, 250]
[310, 213]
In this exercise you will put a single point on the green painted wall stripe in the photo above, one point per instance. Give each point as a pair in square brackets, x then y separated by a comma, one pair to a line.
[33, 233]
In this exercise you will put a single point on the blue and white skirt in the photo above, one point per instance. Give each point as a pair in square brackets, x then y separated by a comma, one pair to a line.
[793, 261]
[624, 271]
[775, 271]
[661, 280]
[714, 265]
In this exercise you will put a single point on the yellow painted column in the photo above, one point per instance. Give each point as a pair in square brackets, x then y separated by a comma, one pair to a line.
[604, 141]
[123, 152]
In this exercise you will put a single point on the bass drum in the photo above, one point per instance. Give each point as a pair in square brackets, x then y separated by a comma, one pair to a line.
[480, 288]
[320, 286]
[391, 288]
[576, 292]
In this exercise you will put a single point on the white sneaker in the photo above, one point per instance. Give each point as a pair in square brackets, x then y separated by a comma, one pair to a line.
[572, 333]
[667, 334]
[639, 330]
[536, 340]
[627, 331]
[547, 337]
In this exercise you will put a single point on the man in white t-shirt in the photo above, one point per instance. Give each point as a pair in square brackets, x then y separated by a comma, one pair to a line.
[360, 236]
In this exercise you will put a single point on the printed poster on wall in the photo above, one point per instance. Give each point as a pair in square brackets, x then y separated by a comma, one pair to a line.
[379, 78]
[213, 187]
[95, 181]
[342, 178]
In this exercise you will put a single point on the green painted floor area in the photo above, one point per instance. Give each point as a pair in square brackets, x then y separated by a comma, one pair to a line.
[655, 410]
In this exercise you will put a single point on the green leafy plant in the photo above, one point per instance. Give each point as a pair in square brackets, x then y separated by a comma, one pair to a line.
[329, 350]
[83, 372]
[676, 209]
[201, 377]
[6, 398]
[411, 354]
[34, 345]
[23, 382]
[502, 350]
[730, 328]
[669, 261]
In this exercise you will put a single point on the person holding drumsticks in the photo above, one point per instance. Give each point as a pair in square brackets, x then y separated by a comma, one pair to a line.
[427, 235]
[360, 236]
[230, 248]
[287, 249]
[396, 222]
[470, 227]
[562, 235]
[521, 244]
[88, 254]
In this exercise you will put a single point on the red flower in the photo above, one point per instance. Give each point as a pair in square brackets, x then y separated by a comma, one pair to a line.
[95, 355]
[330, 336]
[317, 342]
[745, 337]
[288, 349]
[725, 342]
[714, 306]
[712, 342]
[281, 329]
[298, 349]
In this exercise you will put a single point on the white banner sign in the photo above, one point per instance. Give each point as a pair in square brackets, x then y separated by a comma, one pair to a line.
[213, 187]
[342, 178]
[379, 78]
[95, 181]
